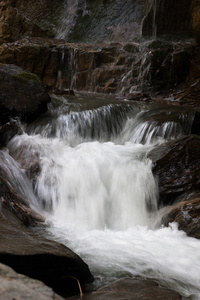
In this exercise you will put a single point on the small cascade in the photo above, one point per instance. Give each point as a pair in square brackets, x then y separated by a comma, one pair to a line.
[147, 128]
[154, 26]
[103, 123]
[11, 171]
[59, 81]
[98, 193]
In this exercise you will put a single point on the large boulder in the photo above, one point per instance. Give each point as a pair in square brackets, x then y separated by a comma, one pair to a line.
[18, 287]
[35, 256]
[176, 167]
[131, 289]
[21, 94]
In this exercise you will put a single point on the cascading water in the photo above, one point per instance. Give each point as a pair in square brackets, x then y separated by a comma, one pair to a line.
[98, 192]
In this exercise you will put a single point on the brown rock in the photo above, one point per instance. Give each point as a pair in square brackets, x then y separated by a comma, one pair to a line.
[187, 215]
[131, 289]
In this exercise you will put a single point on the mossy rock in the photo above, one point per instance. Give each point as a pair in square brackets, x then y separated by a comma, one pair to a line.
[25, 78]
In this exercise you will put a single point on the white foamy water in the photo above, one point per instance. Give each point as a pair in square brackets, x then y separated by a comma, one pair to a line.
[100, 199]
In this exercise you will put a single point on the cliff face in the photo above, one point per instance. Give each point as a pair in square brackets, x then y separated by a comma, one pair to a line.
[94, 21]
[21, 18]
[72, 20]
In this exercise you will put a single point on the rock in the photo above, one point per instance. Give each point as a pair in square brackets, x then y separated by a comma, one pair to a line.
[168, 17]
[176, 167]
[12, 191]
[131, 289]
[22, 18]
[8, 131]
[21, 93]
[196, 124]
[196, 20]
[18, 287]
[24, 250]
[35, 256]
[187, 215]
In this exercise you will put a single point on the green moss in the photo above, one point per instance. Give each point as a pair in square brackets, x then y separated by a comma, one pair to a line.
[24, 78]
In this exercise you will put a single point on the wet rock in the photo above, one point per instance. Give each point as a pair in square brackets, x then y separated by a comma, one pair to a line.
[131, 289]
[30, 254]
[17, 286]
[21, 93]
[22, 249]
[186, 214]
[196, 124]
[8, 131]
[168, 17]
[12, 199]
[176, 167]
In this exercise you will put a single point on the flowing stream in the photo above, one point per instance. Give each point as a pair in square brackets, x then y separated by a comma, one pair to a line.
[98, 193]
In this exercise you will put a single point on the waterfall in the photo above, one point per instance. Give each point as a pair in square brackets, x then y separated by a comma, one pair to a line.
[97, 190]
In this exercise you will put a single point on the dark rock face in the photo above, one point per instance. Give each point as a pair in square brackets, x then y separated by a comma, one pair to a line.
[75, 21]
[176, 167]
[32, 255]
[38, 18]
[17, 286]
[8, 131]
[168, 17]
[131, 289]
[21, 94]
[186, 214]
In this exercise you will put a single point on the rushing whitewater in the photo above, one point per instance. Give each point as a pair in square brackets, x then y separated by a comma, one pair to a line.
[98, 193]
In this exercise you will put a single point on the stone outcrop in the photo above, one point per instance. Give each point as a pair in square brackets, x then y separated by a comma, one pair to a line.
[74, 21]
[149, 67]
[176, 167]
[21, 94]
[35, 18]
[186, 213]
[168, 18]
[17, 286]
[131, 289]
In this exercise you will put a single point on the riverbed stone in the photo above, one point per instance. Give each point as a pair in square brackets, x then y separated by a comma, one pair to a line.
[33, 255]
[176, 167]
[19, 287]
[131, 289]
[21, 93]
[187, 214]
